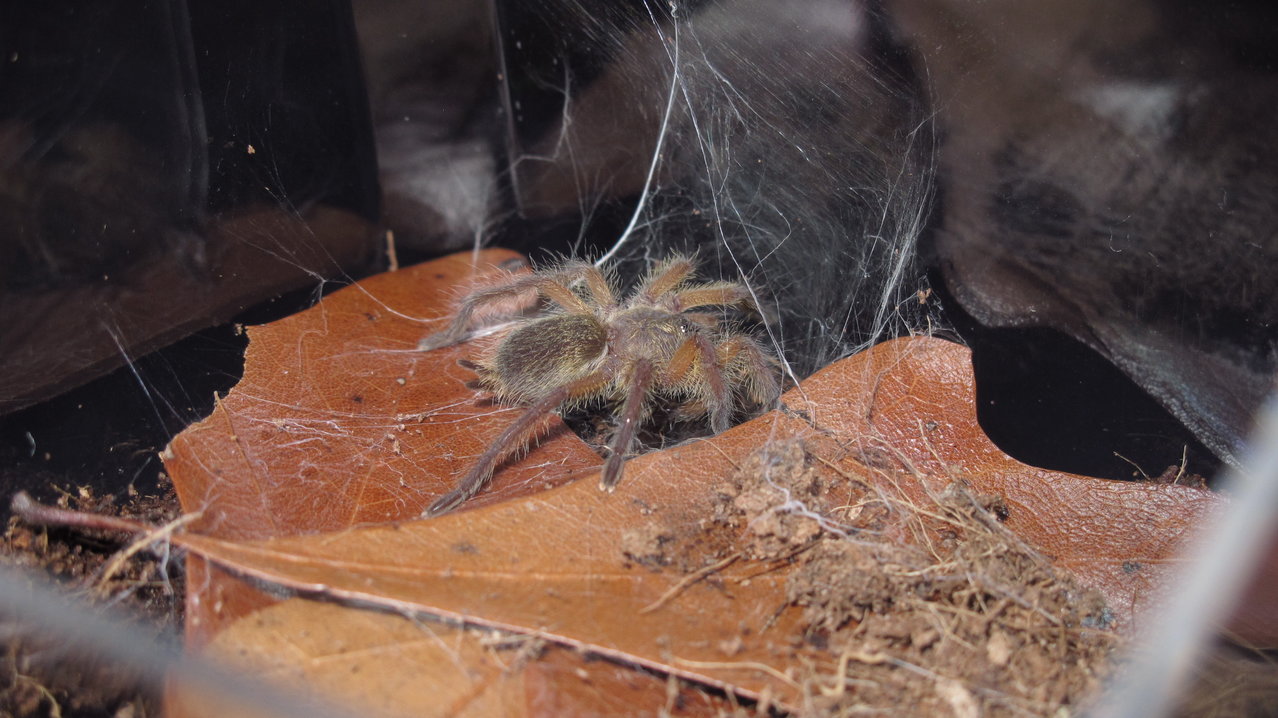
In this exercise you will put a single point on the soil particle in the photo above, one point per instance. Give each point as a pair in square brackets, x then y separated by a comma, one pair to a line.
[37, 677]
[842, 581]
[646, 545]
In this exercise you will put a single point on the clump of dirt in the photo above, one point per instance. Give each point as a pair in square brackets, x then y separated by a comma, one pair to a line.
[680, 544]
[1176, 474]
[778, 500]
[923, 607]
[772, 509]
[648, 545]
[38, 677]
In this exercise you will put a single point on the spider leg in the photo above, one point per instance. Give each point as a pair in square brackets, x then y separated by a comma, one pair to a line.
[550, 286]
[705, 320]
[680, 364]
[512, 439]
[665, 277]
[713, 389]
[757, 368]
[598, 286]
[715, 294]
[675, 377]
[718, 397]
[713, 392]
[631, 415]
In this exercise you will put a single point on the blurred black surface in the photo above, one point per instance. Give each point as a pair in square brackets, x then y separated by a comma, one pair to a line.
[1108, 171]
[285, 78]
[164, 166]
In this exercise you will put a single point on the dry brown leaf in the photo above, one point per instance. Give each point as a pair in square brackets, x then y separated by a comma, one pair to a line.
[387, 665]
[316, 439]
[339, 421]
[321, 434]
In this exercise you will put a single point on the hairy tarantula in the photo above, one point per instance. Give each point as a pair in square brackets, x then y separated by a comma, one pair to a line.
[592, 345]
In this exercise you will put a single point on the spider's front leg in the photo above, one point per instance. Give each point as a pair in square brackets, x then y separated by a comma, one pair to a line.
[715, 294]
[512, 439]
[554, 286]
[641, 378]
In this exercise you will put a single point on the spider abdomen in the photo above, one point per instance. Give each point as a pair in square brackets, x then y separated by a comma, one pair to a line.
[543, 354]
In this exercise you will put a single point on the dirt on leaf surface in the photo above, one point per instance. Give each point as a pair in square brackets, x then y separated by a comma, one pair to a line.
[962, 618]
[966, 620]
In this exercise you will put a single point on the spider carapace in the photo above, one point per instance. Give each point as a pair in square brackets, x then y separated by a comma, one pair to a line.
[659, 344]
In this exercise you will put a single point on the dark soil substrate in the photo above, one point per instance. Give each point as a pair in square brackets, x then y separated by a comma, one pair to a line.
[37, 678]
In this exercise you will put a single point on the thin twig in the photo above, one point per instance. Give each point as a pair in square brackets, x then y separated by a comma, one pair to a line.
[687, 581]
[39, 514]
[739, 666]
[159, 534]
[392, 259]
[1134, 465]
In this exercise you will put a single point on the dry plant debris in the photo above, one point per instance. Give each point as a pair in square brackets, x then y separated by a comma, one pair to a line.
[877, 533]
[37, 676]
[968, 619]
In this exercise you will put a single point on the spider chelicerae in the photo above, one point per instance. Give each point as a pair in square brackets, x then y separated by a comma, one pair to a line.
[590, 345]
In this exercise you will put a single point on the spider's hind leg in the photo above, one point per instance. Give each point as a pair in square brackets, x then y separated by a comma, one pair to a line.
[597, 284]
[752, 367]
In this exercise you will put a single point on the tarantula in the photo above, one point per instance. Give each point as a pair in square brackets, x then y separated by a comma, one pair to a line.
[591, 345]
